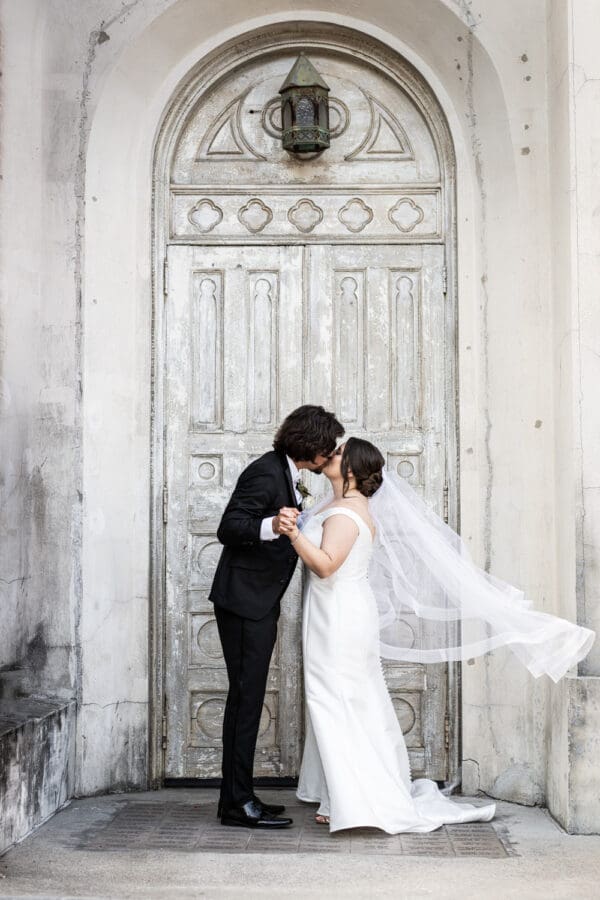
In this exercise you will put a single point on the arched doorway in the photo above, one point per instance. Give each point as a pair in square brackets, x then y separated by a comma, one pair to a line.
[323, 280]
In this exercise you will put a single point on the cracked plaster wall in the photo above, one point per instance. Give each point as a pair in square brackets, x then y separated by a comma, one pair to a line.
[84, 90]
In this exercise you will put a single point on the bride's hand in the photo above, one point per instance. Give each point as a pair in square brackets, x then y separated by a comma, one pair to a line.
[289, 528]
[285, 520]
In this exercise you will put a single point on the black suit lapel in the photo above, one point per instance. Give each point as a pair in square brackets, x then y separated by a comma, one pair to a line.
[288, 477]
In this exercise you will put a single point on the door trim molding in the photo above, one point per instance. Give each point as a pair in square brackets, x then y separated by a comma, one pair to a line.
[216, 65]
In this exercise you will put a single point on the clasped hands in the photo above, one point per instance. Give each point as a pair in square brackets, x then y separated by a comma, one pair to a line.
[285, 522]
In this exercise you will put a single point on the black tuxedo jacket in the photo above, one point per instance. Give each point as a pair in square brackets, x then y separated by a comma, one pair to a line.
[252, 575]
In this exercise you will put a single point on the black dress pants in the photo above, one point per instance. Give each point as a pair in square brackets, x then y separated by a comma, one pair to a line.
[247, 648]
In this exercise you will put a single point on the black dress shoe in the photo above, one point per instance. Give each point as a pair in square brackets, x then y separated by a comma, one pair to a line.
[252, 815]
[274, 809]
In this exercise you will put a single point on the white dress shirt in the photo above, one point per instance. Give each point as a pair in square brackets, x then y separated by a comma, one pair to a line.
[266, 526]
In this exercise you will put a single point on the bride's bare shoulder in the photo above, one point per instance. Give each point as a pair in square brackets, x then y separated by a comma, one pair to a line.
[342, 503]
[357, 505]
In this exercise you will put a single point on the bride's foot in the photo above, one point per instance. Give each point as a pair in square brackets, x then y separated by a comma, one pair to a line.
[321, 820]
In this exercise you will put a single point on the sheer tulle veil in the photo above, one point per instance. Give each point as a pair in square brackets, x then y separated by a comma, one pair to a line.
[436, 605]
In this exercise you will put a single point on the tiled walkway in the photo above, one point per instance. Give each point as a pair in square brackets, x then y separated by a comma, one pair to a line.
[187, 826]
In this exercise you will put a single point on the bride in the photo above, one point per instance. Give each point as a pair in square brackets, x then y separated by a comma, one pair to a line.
[355, 762]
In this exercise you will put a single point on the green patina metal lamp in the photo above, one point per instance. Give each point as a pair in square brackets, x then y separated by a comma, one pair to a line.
[304, 109]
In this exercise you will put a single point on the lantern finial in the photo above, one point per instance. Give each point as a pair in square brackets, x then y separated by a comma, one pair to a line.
[303, 74]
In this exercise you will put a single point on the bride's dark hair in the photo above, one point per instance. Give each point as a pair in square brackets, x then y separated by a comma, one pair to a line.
[365, 462]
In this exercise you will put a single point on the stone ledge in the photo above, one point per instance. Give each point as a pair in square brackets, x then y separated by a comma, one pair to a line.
[574, 773]
[37, 743]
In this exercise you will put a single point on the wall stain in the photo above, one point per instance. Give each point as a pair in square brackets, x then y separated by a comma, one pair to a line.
[39, 496]
[465, 7]
[35, 766]
[36, 653]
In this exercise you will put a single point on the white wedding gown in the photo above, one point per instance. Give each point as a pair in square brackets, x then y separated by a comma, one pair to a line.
[355, 763]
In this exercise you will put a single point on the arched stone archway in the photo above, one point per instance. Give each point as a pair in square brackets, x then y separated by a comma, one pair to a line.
[121, 568]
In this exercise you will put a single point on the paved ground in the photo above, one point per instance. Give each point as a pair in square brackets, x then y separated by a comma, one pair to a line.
[169, 845]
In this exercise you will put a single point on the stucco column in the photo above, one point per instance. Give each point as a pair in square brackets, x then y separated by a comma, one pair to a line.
[574, 76]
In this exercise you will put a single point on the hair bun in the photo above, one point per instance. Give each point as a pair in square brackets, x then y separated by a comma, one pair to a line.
[367, 486]
[365, 462]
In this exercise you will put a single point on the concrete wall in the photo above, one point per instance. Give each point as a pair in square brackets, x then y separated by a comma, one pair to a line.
[85, 88]
[573, 783]
[40, 434]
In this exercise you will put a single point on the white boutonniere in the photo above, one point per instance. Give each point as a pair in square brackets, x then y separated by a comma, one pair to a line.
[307, 498]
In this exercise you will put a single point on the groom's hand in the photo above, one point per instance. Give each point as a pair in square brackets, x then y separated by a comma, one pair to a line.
[285, 520]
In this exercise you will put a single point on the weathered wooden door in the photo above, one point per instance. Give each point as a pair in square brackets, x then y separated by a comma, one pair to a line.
[298, 279]
[252, 332]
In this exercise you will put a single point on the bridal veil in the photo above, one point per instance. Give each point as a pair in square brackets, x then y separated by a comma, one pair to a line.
[436, 605]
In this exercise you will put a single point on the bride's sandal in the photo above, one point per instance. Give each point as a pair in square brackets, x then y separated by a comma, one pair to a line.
[321, 820]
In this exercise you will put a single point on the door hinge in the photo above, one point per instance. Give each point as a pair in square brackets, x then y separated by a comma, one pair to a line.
[165, 277]
[446, 503]
[165, 504]
[164, 732]
[446, 732]
[444, 280]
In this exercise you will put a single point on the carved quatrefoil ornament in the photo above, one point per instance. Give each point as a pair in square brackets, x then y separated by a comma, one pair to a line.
[255, 215]
[205, 215]
[355, 215]
[406, 215]
[305, 215]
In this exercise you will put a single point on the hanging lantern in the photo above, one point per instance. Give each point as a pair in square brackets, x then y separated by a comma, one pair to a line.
[304, 109]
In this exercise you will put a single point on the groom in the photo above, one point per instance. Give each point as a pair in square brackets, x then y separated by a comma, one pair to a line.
[255, 568]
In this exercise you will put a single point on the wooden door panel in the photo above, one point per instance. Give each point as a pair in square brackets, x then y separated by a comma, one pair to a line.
[234, 361]
[377, 331]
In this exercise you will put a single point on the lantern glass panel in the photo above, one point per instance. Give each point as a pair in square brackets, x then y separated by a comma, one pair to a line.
[305, 112]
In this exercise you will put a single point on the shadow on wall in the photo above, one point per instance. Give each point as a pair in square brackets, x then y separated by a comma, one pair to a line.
[22, 677]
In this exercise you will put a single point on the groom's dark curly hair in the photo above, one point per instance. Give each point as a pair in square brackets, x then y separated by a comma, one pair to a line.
[308, 432]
